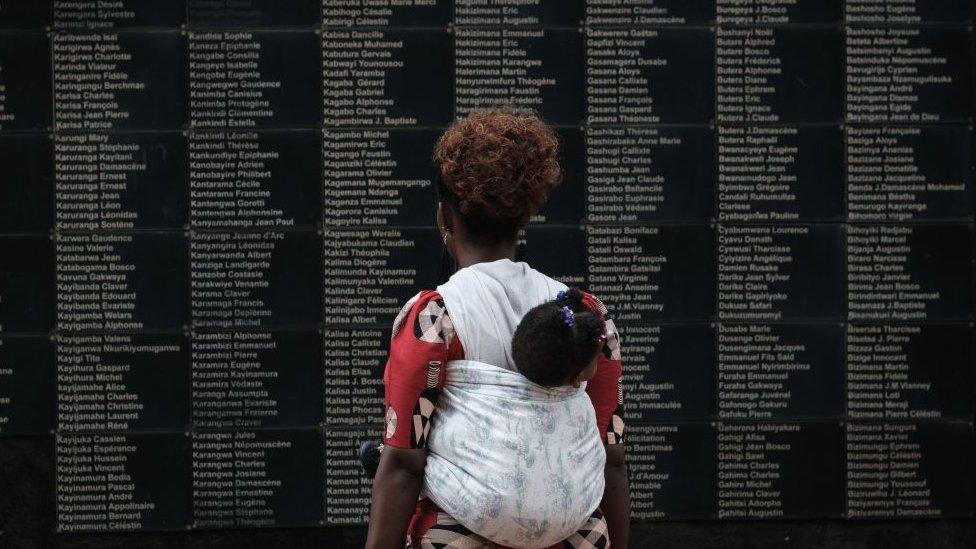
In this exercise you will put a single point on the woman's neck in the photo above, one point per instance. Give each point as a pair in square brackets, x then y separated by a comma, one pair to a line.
[470, 255]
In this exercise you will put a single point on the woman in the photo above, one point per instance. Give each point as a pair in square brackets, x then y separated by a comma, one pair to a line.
[495, 168]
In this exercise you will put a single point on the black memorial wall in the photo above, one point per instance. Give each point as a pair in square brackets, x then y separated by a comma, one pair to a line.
[210, 212]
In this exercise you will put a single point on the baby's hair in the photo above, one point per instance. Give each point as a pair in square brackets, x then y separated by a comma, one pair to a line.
[556, 341]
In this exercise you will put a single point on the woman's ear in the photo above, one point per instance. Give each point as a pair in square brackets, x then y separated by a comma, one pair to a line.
[445, 216]
[445, 226]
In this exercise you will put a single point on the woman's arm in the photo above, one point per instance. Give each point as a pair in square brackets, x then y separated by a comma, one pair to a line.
[395, 490]
[422, 343]
[616, 496]
[608, 402]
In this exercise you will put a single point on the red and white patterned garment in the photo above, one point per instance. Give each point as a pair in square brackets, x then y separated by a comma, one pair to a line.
[423, 341]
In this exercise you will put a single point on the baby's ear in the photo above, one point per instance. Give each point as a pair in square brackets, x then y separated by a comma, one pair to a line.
[577, 380]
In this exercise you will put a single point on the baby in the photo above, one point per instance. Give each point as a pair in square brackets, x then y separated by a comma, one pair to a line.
[557, 343]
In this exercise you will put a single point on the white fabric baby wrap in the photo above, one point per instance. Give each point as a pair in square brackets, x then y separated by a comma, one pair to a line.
[515, 462]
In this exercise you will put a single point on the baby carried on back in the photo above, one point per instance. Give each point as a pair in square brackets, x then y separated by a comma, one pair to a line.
[515, 454]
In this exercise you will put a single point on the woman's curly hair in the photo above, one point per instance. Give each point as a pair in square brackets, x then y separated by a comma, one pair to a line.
[496, 167]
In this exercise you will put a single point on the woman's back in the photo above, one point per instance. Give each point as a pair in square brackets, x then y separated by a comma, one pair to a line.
[516, 462]
[488, 300]
[495, 169]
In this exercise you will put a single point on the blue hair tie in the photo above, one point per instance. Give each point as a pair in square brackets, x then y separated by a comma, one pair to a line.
[561, 295]
[569, 317]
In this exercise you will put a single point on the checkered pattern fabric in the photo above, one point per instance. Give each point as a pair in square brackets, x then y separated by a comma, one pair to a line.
[611, 349]
[433, 324]
[615, 431]
[403, 314]
[593, 534]
[425, 407]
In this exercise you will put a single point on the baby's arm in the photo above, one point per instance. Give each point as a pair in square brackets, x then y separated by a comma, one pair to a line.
[607, 396]
[423, 341]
